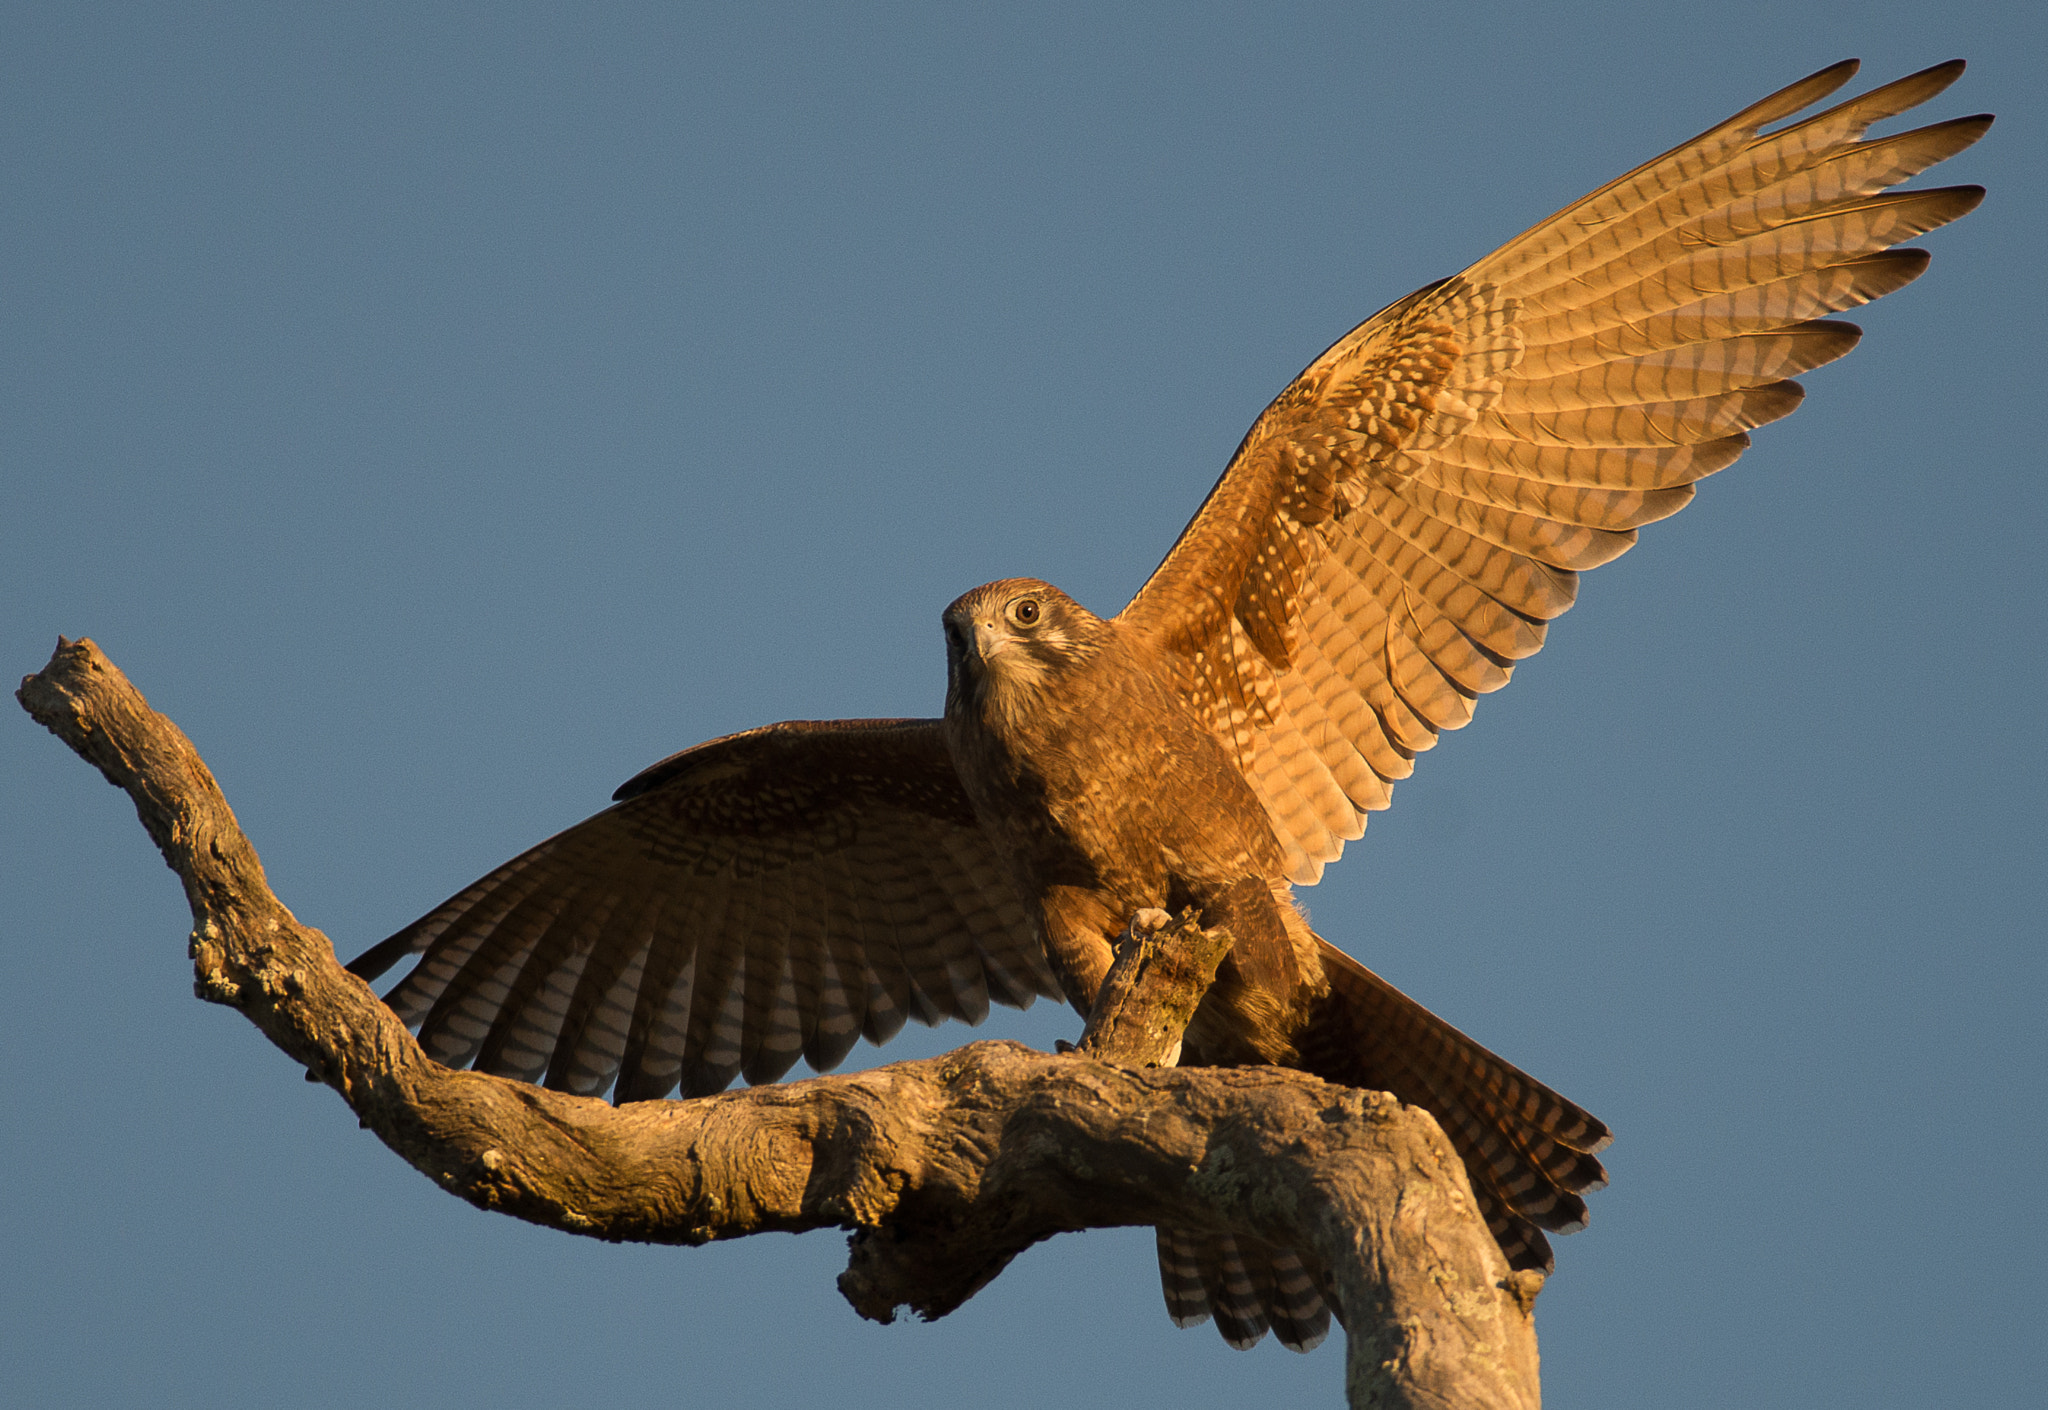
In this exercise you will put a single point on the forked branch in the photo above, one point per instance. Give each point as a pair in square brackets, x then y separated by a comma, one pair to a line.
[945, 1169]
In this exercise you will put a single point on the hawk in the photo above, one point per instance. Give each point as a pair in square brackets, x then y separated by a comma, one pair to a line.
[1396, 531]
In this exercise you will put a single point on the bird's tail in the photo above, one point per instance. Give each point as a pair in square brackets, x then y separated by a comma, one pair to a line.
[1248, 1286]
[1528, 1152]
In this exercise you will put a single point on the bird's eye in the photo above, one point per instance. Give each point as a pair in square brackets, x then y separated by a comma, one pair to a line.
[1024, 611]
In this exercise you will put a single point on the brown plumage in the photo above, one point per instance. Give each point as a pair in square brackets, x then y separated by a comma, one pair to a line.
[1395, 532]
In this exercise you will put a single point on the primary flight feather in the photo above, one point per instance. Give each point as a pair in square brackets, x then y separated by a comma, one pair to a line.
[1396, 531]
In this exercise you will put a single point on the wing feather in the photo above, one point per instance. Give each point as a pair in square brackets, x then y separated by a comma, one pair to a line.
[757, 899]
[528, 1005]
[1403, 521]
[652, 1062]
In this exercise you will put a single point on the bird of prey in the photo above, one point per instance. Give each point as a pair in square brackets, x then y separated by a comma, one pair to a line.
[1395, 532]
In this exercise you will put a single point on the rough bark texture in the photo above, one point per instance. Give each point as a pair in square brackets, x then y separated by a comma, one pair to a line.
[945, 1169]
[1164, 964]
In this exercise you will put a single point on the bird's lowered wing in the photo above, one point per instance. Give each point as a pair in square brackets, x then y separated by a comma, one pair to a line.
[763, 897]
[1401, 523]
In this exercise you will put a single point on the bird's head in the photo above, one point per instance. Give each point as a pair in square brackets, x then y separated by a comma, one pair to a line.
[1007, 641]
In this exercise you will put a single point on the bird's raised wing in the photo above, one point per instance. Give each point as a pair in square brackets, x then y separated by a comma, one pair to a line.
[767, 896]
[1399, 526]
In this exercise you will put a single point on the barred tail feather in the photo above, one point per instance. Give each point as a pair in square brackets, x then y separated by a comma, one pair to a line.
[1528, 1151]
[1246, 1286]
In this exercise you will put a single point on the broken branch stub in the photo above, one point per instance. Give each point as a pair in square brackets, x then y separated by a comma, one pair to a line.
[1164, 965]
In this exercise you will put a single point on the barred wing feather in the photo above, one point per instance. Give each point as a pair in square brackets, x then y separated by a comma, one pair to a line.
[768, 896]
[1400, 526]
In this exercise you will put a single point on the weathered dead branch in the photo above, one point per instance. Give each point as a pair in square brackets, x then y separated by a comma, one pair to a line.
[945, 1169]
[1164, 964]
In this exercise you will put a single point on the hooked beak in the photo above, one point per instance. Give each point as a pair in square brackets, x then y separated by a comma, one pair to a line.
[980, 639]
[989, 642]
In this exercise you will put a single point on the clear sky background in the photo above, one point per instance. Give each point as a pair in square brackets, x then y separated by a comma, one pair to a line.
[443, 412]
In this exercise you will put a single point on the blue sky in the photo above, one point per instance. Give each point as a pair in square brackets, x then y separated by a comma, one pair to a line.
[443, 412]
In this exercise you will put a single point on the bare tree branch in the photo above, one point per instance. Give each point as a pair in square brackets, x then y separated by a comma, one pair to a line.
[945, 1169]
